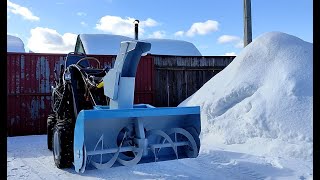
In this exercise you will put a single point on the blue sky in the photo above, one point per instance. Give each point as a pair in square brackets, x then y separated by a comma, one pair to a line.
[214, 26]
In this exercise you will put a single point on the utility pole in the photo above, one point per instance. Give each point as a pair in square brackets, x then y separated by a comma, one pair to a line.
[247, 22]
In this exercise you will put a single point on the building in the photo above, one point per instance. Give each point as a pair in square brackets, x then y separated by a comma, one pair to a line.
[106, 44]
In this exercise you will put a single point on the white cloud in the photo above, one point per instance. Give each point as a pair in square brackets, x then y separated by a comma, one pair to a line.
[237, 41]
[149, 23]
[81, 13]
[120, 26]
[23, 11]
[83, 23]
[179, 33]
[228, 38]
[230, 54]
[202, 28]
[158, 34]
[45, 40]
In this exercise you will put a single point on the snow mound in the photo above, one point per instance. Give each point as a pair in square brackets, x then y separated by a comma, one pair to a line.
[14, 44]
[263, 100]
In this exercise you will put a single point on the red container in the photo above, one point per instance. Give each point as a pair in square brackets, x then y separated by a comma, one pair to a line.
[29, 80]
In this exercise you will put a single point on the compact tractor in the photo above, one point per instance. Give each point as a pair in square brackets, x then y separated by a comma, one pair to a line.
[95, 122]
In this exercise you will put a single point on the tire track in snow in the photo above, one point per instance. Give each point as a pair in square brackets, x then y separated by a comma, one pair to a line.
[41, 170]
[18, 169]
[34, 161]
[221, 166]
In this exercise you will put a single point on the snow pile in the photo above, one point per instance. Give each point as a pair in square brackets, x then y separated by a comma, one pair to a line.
[14, 44]
[262, 102]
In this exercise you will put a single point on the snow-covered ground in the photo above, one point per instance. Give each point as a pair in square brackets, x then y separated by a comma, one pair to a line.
[29, 158]
[256, 118]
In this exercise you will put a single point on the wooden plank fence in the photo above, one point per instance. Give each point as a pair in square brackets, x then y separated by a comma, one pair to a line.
[177, 78]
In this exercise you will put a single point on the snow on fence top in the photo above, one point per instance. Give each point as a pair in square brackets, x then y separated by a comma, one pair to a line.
[106, 44]
[14, 44]
[263, 99]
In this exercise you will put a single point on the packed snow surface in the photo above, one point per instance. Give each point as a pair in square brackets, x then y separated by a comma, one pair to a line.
[29, 159]
[262, 102]
[107, 44]
[256, 119]
[14, 44]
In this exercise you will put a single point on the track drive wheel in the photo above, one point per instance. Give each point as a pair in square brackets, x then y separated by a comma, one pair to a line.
[51, 121]
[62, 143]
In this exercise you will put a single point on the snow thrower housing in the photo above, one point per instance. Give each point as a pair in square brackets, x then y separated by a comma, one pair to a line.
[95, 123]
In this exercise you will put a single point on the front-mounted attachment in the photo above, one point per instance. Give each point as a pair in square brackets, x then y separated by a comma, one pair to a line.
[107, 138]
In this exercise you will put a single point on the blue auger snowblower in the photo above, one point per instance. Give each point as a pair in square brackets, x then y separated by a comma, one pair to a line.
[95, 123]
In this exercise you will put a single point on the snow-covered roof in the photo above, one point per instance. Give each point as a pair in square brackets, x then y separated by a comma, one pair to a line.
[172, 47]
[106, 44]
[14, 44]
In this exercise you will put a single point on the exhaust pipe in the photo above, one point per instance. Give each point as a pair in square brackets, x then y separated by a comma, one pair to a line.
[136, 26]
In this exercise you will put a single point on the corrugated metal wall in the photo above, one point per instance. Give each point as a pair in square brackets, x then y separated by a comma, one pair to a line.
[30, 76]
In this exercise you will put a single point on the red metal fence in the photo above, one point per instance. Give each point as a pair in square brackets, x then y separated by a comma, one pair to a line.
[29, 80]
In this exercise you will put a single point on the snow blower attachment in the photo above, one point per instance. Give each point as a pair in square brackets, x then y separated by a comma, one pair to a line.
[88, 132]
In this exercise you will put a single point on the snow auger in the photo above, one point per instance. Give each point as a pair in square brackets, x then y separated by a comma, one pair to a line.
[96, 124]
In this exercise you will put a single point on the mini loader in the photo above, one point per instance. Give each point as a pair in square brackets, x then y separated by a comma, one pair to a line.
[95, 124]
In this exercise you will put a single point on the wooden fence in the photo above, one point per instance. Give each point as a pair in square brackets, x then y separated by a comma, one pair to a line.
[177, 78]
